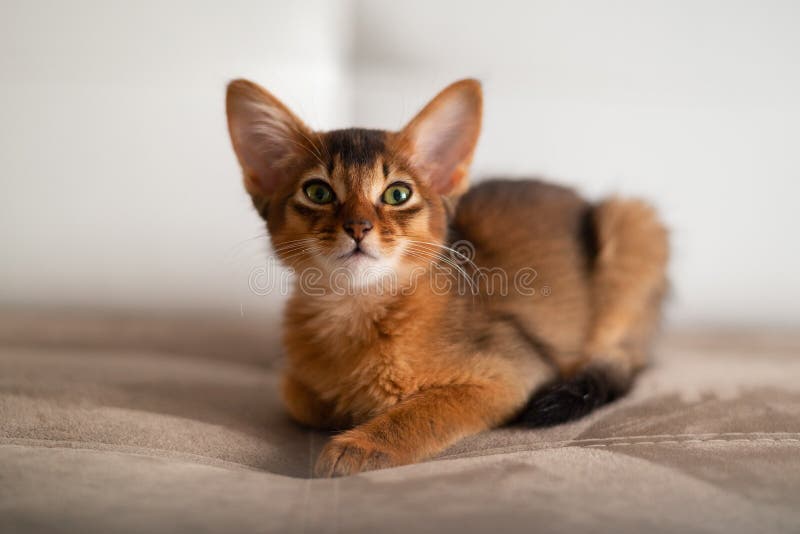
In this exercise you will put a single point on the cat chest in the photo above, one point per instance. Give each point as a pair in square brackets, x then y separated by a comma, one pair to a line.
[354, 357]
[357, 381]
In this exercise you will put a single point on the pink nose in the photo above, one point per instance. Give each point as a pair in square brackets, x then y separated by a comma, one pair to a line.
[357, 229]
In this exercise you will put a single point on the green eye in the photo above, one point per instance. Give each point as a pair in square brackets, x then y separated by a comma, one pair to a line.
[396, 194]
[319, 192]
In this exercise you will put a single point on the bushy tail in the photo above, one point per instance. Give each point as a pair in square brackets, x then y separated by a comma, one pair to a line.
[628, 286]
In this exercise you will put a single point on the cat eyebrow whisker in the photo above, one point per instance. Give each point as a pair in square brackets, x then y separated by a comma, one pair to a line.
[319, 147]
[318, 157]
[316, 147]
[266, 124]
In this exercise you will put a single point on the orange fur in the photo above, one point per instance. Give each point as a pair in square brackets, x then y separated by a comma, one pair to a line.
[403, 367]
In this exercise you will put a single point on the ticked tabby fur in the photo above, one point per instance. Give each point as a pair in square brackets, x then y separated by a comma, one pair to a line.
[376, 349]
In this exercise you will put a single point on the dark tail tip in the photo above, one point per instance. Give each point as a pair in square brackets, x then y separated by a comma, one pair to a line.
[572, 398]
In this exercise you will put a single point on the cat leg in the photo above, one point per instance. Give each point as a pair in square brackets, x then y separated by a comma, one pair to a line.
[628, 283]
[419, 427]
[305, 406]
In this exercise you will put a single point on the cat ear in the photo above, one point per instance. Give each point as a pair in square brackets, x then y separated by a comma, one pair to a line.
[440, 140]
[266, 136]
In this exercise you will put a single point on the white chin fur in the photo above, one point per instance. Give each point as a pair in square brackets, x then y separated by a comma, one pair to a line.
[364, 271]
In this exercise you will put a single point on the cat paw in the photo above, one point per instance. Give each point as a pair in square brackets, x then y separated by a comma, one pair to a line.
[347, 455]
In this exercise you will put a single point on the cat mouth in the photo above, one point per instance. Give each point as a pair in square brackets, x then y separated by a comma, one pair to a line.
[356, 253]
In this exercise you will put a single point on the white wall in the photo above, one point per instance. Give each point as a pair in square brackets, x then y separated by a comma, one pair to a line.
[118, 186]
[695, 105]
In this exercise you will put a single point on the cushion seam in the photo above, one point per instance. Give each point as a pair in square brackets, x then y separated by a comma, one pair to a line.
[150, 452]
[662, 439]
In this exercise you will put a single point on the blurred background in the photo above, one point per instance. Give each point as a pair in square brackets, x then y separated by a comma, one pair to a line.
[119, 189]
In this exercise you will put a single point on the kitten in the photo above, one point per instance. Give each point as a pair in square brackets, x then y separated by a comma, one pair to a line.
[407, 345]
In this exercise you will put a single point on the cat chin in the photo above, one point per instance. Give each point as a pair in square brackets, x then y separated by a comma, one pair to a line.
[362, 271]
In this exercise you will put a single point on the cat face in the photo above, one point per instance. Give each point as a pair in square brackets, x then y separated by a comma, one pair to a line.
[357, 201]
[354, 204]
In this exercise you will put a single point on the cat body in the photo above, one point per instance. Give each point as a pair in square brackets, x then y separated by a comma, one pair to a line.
[424, 313]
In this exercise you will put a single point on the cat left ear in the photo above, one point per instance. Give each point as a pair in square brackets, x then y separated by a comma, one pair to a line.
[441, 139]
[267, 138]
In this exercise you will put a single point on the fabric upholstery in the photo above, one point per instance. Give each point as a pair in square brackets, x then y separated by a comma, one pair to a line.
[173, 424]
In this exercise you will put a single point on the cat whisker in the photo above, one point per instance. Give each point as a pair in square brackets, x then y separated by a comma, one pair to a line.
[474, 286]
[291, 255]
[459, 255]
[431, 256]
[237, 250]
[440, 254]
[472, 290]
[246, 241]
[290, 250]
[293, 244]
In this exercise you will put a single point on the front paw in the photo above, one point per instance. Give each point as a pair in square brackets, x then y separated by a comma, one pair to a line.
[348, 454]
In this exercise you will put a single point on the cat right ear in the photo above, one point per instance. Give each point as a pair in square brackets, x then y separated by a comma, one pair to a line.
[267, 138]
[440, 140]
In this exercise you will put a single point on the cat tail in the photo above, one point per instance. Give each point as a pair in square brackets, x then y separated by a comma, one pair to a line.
[628, 280]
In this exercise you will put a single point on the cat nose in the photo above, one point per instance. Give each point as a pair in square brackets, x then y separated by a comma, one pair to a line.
[357, 229]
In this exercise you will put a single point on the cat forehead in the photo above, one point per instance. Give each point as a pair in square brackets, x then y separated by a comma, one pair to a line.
[359, 160]
[355, 147]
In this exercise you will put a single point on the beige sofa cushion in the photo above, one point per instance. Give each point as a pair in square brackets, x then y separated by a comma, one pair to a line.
[130, 424]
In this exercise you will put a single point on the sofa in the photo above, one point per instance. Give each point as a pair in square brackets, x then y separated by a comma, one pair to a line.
[148, 422]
